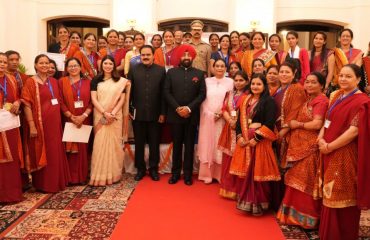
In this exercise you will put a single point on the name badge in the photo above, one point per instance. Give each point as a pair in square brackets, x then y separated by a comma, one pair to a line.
[79, 104]
[233, 113]
[327, 123]
[54, 101]
[7, 106]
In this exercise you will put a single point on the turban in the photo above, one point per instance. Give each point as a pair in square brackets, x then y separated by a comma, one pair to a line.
[186, 48]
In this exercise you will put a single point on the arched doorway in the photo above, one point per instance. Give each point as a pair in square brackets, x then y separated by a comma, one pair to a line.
[307, 28]
[82, 25]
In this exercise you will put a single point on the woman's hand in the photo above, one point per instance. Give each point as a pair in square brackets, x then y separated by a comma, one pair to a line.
[33, 131]
[294, 124]
[241, 142]
[15, 108]
[109, 117]
[252, 142]
[78, 120]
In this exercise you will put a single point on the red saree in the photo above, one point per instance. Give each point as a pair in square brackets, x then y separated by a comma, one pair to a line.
[301, 204]
[45, 154]
[346, 170]
[118, 54]
[77, 153]
[229, 183]
[11, 157]
[259, 162]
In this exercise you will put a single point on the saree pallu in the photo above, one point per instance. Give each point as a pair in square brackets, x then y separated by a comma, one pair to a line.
[77, 153]
[346, 170]
[226, 143]
[11, 157]
[107, 156]
[89, 69]
[266, 55]
[301, 204]
[341, 59]
[366, 74]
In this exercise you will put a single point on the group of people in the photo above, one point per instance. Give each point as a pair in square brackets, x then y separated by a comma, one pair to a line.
[264, 126]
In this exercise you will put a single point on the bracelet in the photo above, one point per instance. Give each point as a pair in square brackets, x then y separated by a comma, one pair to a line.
[256, 139]
[302, 125]
[327, 147]
[85, 114]
[238, 136]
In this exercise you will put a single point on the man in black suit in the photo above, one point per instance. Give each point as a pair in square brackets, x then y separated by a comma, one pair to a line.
[147, 80]
[184, 91]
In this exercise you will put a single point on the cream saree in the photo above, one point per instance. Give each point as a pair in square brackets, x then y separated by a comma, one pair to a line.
[107, 156]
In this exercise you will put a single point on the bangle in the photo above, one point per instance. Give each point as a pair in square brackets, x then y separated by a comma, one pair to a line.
[85, 114]
[302, 125]
[327, 147]
[238, 136]
[256, 139]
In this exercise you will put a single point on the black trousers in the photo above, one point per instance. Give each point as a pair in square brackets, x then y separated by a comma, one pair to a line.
[183, 133]
[146, 131]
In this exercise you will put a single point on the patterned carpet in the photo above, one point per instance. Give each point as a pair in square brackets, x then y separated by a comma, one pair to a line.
[85, 212]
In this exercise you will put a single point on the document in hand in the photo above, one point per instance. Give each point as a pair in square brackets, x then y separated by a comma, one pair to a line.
[8, 120]
[73, 134]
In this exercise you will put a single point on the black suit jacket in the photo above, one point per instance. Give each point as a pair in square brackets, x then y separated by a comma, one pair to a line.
[147, 91]
[184, 87]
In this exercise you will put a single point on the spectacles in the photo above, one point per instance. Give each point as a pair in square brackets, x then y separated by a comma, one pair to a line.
[74, 66]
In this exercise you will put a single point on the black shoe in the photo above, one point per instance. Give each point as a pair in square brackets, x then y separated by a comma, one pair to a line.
[188, 180]
[154, 175]
[140, 175]
[173, 179]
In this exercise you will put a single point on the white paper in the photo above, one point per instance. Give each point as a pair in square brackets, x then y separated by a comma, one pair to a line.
[8, 120]
[73, 134]
[58, 58]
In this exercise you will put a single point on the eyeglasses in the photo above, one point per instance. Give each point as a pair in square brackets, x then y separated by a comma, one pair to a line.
[74, 66]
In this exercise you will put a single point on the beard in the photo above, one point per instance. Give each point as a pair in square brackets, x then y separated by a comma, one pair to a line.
[186, 63]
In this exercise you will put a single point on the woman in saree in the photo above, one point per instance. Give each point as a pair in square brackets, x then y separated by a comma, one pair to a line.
[166, 56]
[227, 141]
[11, 155]
[76, 107]
[212, 123]
[272, 77]
[129, 43]
[302, 200]
[88, 57]
[298, 53]
[321, 58]
[268, 56]
[214, 40]
[133, 57]
[45, 155]
[64, 46]
[109, 95]
[234, 45]
[345, 54]
[253, 157]
[223, 53]
[234, 67]
[258, 66]
[274, 43]
[344, 144]
[112, 49]
[289, 98]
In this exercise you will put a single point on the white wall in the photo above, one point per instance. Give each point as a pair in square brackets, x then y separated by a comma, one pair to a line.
[352, 14]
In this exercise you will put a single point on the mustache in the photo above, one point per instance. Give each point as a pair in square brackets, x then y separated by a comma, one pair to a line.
[145, 59]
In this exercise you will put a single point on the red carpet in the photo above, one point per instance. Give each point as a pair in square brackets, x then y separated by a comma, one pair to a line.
[160, 211]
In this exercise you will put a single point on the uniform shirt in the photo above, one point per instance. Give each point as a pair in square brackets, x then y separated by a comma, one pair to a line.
[204, 51]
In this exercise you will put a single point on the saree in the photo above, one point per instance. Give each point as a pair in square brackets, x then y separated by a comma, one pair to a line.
[107, 155]
[317, 65]
[166, 59]
[266, 55]
[345, 176]
[118, 55]
[45, 154]
[226, 143]
[77, 153]
[11, 155]
[301, 204]
[341, 59]
[366, 73]
[89, 63]
[259, 162]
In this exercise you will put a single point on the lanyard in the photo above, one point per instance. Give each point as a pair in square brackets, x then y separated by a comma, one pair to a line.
[236, 101]
[279, 90]
[50, 88]
[112, 54]
[19, 79]
[226, 59]
[3, 88]
[339, 100]
[167, 55]
[78, 90]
